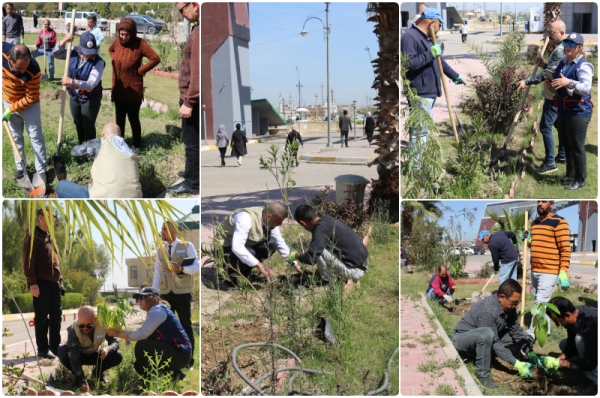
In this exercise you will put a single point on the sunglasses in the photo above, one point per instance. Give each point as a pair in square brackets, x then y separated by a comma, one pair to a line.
[182, 9]
[569, 44]
[85, 326]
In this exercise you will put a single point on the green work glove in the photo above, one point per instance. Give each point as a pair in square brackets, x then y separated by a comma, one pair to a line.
[22, 41]
[495, 272]
[460, 81]
[436, 50]
[292, 257]
[550, 365]
[6, 115]
[534, 360]
[523, 368]
[563, 279]
[526, 235]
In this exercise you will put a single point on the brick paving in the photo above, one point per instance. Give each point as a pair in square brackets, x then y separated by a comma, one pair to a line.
[414, 325]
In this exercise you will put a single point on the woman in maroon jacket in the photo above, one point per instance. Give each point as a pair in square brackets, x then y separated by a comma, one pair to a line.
[127, 53]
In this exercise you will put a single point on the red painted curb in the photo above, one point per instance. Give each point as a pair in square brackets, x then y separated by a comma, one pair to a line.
[165, 74]
[469, 281]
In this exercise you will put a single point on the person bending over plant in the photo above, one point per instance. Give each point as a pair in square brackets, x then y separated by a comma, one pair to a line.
[580, 348]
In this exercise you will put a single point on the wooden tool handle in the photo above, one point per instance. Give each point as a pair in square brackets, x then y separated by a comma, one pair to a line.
[488, 282]
[61, 120]
[524, 270]
[12, 140]
[447, 94]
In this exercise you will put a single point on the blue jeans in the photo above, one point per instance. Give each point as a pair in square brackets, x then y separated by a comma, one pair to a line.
[68, 189]
[434, 297]
[507, 271]
[427, 105]
[49, 58]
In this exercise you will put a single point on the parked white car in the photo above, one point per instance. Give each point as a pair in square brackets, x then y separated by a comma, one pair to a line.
[81, 20]
[468, 251]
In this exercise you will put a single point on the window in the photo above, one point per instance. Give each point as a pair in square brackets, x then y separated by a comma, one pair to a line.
[133, 271]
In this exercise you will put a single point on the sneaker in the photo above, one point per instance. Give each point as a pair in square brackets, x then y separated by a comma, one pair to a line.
[46, 355]
[546, 168]
[566, 179]
[19, 174]
[487, 382]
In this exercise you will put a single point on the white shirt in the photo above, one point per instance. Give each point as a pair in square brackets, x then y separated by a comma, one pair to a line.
[190, 269]
[464, 29]
[95, 74]
[242, 223]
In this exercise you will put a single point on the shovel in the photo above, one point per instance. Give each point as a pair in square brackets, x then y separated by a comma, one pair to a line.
[24, 181]
[45, 75]
[478, 297]
[57, 161]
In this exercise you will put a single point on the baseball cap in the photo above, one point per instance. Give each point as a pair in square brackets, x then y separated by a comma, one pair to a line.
[432, 13]
[87, 44]
[483, 233]
[147, 291]
[574, 37]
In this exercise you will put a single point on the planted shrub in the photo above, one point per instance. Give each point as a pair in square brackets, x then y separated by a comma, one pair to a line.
[71, 300]
[25, 302]
[348, 212]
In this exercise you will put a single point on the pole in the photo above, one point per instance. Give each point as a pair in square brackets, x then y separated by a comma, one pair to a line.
[354, 116]
[299, 89]
[500, 19]
[204, 124]
[439, 61]
[524, 270]
[587, 218]
[328, 82]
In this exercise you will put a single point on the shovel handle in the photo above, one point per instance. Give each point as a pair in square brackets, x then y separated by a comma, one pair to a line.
[61, 120]
[12, 141]
[488, 282]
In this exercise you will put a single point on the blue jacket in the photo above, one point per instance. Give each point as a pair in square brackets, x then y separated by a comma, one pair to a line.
[83, 73]
[172, 332]
[423, 71]
[571, 105]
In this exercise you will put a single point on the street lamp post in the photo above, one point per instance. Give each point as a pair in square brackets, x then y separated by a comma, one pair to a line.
[354, 116]
[327, 31]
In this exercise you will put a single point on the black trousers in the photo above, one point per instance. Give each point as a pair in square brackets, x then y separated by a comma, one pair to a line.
[464, 38]
[179, 360]
[191, 142]
[223, 151]
[572, 131]
[130, 110]
[261, 251]
[84, 117]
[369, 133]
[344, 138]
[48, 316]
[114, 358]
[181, 304]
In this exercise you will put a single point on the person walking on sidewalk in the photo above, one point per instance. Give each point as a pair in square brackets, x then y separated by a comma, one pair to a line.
[84, 347]
[294, 137]
[369, 127]
[174, 282]
[423, 72]
[42, 272]
[556, 34]
[573, 84]
[345, 125]
[464, 31]
[222, 143]
[550, 255]
[491, 327]
[441, 286]
[238, 144]
[505, 256]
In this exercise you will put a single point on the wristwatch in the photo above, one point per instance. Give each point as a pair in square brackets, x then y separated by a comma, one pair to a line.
[571, 84]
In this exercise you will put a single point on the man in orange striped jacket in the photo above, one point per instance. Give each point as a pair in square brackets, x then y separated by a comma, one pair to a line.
[550, 254]
[21, 77]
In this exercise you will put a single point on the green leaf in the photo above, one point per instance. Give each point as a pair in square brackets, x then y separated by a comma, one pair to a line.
[553, 308]
[541, 333]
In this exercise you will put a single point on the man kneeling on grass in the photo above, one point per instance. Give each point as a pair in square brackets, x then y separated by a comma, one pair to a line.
[580, 348]
[84, 347]
[441, 286]
[490, 327]
[334, 246]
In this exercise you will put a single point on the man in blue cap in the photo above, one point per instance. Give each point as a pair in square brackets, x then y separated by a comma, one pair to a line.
[505, 256]
[423, 71]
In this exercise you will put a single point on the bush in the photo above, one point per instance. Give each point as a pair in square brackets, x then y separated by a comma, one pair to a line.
[110, 298]
[25, 302]
[71, 300]
[348, 212]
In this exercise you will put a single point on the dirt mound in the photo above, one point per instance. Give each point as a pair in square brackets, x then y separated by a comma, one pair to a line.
[462, 308]
[50, 95]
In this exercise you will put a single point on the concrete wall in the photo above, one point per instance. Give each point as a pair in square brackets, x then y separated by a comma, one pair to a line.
[588, 213]
[568, 11]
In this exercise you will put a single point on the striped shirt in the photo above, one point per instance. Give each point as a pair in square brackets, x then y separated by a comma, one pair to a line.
[487, 313]
[550, 246]
[21, 91]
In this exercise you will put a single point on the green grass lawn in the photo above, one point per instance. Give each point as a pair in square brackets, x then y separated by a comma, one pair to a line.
[413, 284]
[162, 153]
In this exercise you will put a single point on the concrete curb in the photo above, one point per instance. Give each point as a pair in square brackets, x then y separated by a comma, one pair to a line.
[337, 159]
[471, 387]
[31, 315]
[584, 262]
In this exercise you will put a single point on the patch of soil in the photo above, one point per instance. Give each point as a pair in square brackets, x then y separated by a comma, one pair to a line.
[50, 95]
[462, 308]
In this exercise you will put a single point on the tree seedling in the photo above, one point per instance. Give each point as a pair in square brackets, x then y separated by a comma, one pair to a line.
[540, 324]
[114, 318]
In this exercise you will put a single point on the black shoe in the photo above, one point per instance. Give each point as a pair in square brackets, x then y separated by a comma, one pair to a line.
[546, 168]
[575, 185]
[191, 365]
[183, 187]
[101, 378]
[19, 174]
[181, 174]
[178, 375]
[487, 382]
[560, 160]
[566, 179]
[46, 355]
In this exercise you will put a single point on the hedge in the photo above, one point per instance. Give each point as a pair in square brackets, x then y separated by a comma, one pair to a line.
[25, 301]
[71, 300]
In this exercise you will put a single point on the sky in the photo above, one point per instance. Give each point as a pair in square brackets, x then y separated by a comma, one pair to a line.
[506, 7]
[277, 48]
[470, 232]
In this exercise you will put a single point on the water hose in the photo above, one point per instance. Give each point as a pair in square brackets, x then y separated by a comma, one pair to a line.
[299, 370]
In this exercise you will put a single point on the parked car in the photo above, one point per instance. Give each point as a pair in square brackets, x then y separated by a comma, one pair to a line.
[482, 19]
[478, 249]
[146, 24]
[455, 250]
[290, 121]
[468, 251]
[81, 18]
[332, 118]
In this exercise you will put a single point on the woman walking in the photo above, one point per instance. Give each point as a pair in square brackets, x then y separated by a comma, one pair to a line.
[369, 127]
[84, 83]
[573, 84]
[222, 143]
[238, 144]
[127, 53]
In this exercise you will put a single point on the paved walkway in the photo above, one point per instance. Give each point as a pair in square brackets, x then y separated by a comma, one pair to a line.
[414, 352]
